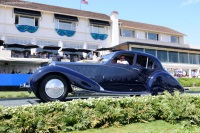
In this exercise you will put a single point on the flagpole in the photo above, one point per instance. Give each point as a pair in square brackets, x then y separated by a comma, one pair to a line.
[80, 4]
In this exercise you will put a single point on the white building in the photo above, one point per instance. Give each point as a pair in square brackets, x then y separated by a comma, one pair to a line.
[40, 24]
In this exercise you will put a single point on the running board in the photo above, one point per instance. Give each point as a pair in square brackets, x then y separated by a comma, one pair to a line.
[92, 93]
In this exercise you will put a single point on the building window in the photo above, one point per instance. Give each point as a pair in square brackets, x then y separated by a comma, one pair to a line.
[194, 58]
[127, 33]
[174, 39]
[43, 43]
[137, 49]
[162, 55]
[173, 56]
[17, 40]
[65, 25]
[151, 51]
[97, 29]
[199, 59]
[152, 36]
[92, 46]
[183, 57]
[26, 20]
[72, 45]
[12, 40]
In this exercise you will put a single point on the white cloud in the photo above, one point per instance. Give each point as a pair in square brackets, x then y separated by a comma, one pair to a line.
[189, 2]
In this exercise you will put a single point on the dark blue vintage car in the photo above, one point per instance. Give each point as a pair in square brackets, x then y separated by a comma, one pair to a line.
[141, 74]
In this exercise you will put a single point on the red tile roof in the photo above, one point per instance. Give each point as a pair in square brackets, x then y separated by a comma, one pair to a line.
[148, 27]
[55, 9]
[87, 14]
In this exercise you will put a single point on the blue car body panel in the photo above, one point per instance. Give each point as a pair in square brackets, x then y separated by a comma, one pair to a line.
[108, 77]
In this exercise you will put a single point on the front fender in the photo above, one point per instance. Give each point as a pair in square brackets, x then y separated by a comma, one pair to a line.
[74, 77]
[163, 81]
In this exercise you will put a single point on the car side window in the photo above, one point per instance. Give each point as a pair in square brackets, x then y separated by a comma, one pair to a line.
[141, 60]
[124, 59]
[145, 62]
[150, 64]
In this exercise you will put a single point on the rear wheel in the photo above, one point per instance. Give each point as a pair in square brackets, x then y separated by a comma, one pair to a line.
[52, 88]
[156, 91]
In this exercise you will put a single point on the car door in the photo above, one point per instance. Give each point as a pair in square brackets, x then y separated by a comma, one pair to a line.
[122, 77]
[146, 66]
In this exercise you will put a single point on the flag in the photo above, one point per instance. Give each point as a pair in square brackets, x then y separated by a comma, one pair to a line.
[84, 1]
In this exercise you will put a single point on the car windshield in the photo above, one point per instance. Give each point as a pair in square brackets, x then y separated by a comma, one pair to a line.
[105, 58]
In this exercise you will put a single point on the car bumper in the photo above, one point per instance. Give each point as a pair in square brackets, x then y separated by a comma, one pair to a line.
[26, 86]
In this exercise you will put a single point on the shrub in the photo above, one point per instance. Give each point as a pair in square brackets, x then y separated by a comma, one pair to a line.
[99, 113]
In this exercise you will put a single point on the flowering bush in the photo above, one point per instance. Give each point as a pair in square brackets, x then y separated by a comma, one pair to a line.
[99, 113]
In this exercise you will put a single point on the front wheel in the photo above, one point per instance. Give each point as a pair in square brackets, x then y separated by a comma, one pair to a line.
[52, 88]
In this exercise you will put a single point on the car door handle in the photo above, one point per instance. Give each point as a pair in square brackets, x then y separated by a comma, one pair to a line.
[135, 69]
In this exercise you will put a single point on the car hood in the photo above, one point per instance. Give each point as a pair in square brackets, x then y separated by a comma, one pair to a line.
[87, 69]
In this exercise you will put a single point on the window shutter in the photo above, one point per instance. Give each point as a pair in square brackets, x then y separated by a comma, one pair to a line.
[133, 33]
[157, 37]
[36, 21]
[16, 19]
[120, 32]
[146, 36]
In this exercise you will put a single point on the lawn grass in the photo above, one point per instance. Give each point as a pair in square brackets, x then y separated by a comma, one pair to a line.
[194, 89]
[15, 94]
[151, 127]
[21, 94]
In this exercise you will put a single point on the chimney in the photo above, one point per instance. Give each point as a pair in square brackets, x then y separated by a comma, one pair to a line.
[115, 28]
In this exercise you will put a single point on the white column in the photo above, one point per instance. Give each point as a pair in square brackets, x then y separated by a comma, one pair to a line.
[84, 47]
[115, 28]
[190, 72]
[33, 50]
[3, 39]
[60, 44]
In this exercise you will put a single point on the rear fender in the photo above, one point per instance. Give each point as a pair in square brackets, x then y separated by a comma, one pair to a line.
[74, 77]
[163, 81]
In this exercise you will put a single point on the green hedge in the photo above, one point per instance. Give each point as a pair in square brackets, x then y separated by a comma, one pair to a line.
[99, 113]
[190, 82]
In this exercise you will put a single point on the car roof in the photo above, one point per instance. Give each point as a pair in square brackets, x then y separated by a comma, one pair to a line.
[134, 52]
[141, 53]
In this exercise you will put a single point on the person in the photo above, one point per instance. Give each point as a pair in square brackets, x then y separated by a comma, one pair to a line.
[193, 74]
[90, 56]
[196, 74]
[184, 73]
[94, 56]
[14, 71]
[4, 71]
[30, 71]
[122, 60]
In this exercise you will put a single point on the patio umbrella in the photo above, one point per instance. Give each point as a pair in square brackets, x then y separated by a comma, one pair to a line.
[84, 50]
[29, 46]
[44, 52]
[51, 47]
[69, 49]
[103, 49]
[1, 42]
[14, 45]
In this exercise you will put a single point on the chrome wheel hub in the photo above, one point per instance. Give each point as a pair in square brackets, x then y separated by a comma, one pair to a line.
[54, 88]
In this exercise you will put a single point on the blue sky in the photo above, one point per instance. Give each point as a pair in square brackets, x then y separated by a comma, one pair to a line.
[180, 15]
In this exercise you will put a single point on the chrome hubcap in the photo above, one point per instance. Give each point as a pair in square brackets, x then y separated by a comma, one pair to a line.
[54, 88]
